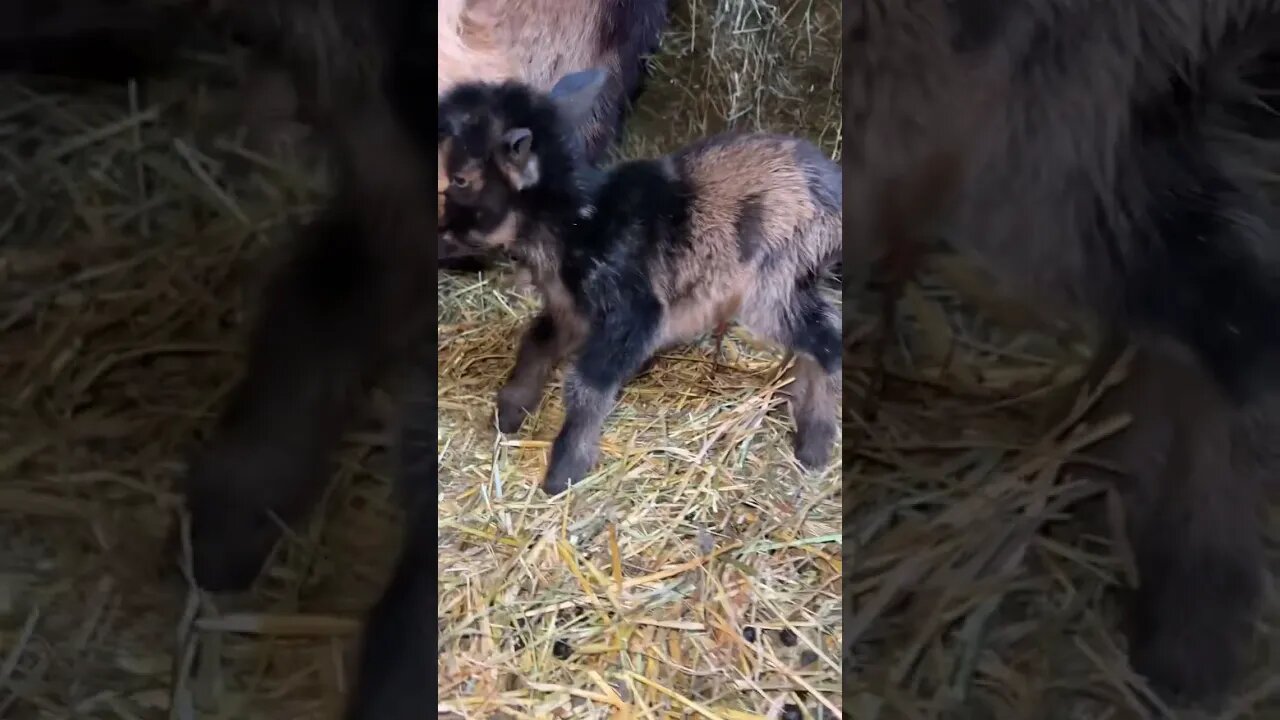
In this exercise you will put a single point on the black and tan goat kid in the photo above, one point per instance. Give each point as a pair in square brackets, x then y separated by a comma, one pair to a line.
[1105, 158]
[647, 254]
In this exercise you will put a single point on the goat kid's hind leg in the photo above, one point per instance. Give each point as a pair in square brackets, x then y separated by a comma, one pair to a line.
[614, 351]
[814, 330]
[1192, 497]
[542, 346]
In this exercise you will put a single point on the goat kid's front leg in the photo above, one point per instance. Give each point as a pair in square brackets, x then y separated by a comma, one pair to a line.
[354, 298]
[614, 351]
[1192, 489]
[331, 321]
[815, 402]
[542, 346]
[815, 390]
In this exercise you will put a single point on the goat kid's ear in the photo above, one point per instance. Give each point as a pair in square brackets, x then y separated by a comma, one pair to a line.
[516, 158]
[575, 94]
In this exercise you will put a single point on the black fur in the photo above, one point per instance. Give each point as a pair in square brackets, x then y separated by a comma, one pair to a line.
[639, 213]
[410, 69]
[620, 243]
[94, 40]
[826, 183]
[328, 285]
[812, 330]
[1198, 279]
[977, 23]
[634, 29]
[394, 669]
[543, 329]
[1137, 139]
[554, 204]
[1164, 615]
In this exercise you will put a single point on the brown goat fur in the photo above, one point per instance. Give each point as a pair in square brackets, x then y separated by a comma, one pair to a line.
[1103, 158]
[645, 255]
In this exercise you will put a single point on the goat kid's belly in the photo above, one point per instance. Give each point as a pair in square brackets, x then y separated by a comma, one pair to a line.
[758, 303]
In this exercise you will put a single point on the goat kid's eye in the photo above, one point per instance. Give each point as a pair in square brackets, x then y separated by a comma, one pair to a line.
[459, 182]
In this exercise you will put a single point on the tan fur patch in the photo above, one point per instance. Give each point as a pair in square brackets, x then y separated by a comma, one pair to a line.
[442, 170]
[467, 48]
[732, 176]
[689, 318]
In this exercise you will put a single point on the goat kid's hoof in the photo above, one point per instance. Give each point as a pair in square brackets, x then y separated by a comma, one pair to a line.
[1187, 667]
[813, 445]
[230, 539]
[228, 554]
[1187, 637]
[512, 411]
[555, 484]
[564, 473]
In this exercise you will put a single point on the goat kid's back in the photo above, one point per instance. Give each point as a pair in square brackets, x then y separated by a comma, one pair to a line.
[760, 214]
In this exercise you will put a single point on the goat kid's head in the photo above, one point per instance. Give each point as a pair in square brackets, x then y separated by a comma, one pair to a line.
[504, 148]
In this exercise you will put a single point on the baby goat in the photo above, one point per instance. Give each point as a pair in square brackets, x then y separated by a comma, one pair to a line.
[1105, 158]
[648, 254]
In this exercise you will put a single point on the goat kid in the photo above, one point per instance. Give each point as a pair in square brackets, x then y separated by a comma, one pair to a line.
[645, 255]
